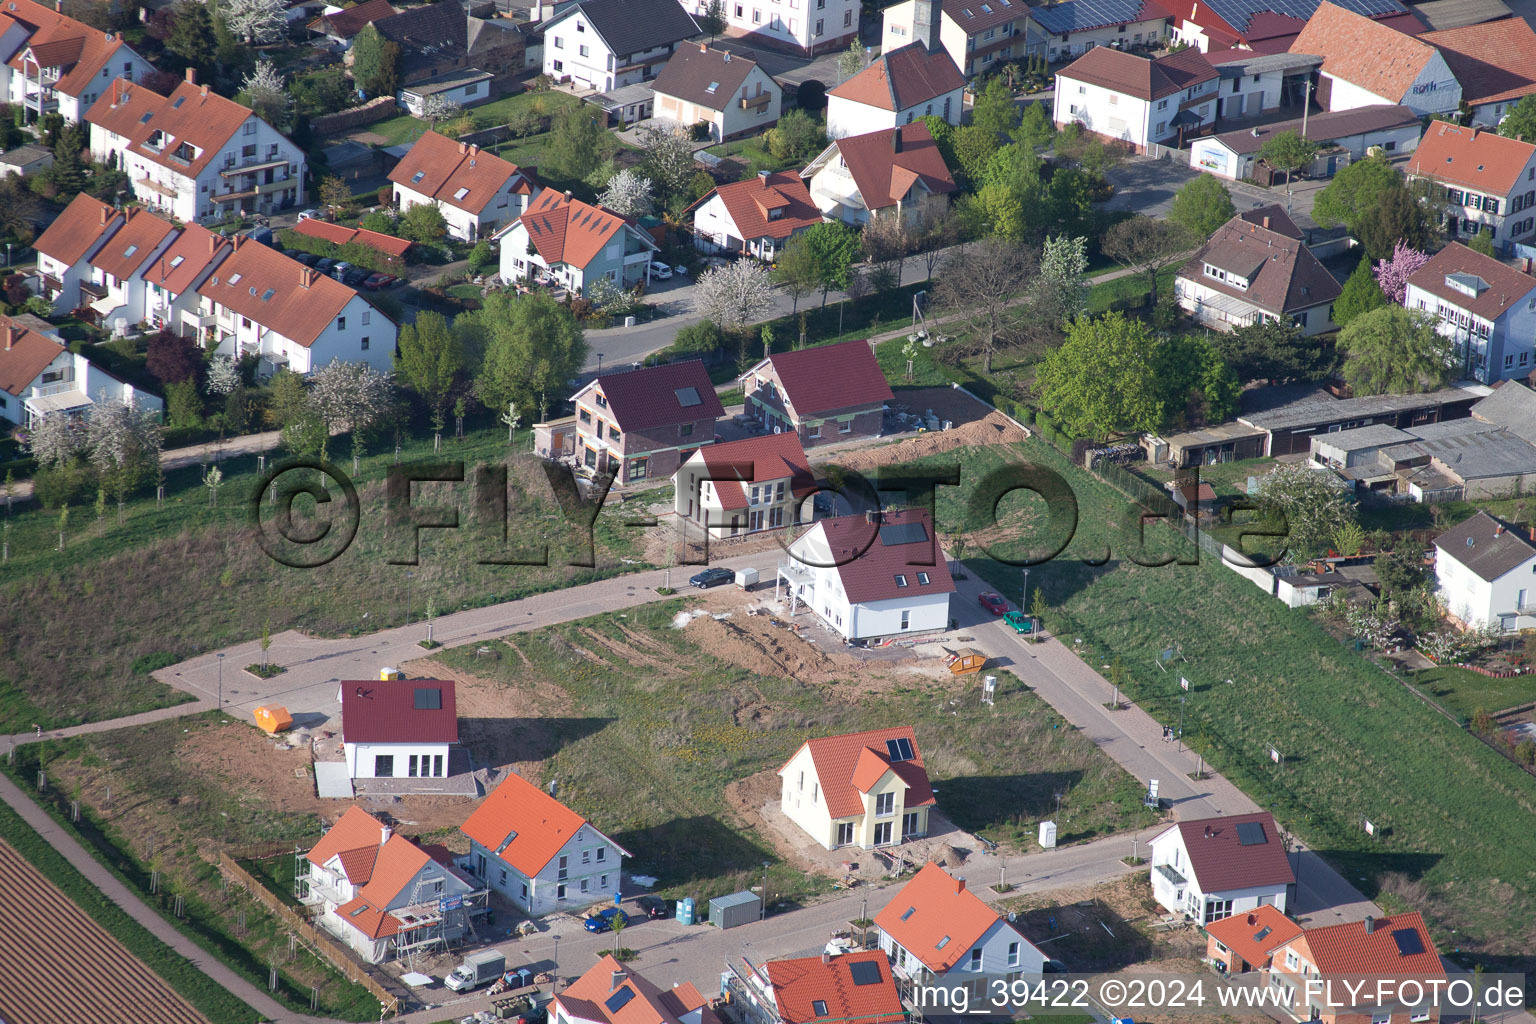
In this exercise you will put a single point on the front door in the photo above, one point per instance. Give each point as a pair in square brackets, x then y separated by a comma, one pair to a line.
[908, 825]
[883, 834]
[845, 833]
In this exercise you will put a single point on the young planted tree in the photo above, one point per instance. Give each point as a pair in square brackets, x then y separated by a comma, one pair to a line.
[429, 361]
[735, 295]
[1288, 152]
[796, 272]
[834, 247]
[975, 289]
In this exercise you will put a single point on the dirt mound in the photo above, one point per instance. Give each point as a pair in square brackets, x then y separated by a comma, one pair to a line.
[974, 424]
[788, 654]
[746, 797]
[947, 856]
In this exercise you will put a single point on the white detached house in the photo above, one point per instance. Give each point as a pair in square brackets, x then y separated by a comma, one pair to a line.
[476, 192]
[916, 80]
[1485, 572]
[538, 853]
[863, 789]
[40, 376]
[1216, 867]
[398, 728]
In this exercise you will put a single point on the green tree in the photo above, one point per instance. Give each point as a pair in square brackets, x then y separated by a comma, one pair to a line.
[1271, 350]
[1145, 245]
[797, 270]
[851, 61]
[833, 246]
[1396, 217]
[481, 256]
[1288, 152]
[334, 193]
[712, 22]
[1520, 122]
[1103, 379]
[423, 222]
[1068, 203]
[191, 36]
[1482, 242]
[994, 111]
[1197, 384]
[798, 136]
[1394, 351]
[67, 174]
[429, 361]
[1202, 206]
[375, 62]
[287, 398]
[1360, 294]
[183, 404]
[573, 150]
[532, 346]
[1354, 192]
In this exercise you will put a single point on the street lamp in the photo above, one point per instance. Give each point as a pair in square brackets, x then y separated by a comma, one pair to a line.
[599, 364]
[408, 577]
[762, 904]
[1024, 598]
[1183, 699]
[221, 680]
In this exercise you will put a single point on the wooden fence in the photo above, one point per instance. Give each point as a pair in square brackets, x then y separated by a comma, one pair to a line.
[338, 955]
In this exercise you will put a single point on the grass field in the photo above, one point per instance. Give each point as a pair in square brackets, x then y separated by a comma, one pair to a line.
[172, 580]
[653, 742]
[406, 128]
[193, 986]
[1464, 693]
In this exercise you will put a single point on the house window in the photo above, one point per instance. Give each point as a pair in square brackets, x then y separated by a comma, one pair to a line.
[847, 19]
[846, 427]
[341, 323]
[564, 861]
[801, 786]
[1215, 910]
[584, 884]
[524, 886]
[384, 766]
[365, 343]
[976, 959]
[586, 856]
[906, 619]
[559, 43]
[602, 855]
[560, 891]
[885, 805]
[685, 430]
[1013, 954]
[845, 833]
[582, 49]
[584, 415]
[250, 128]
[559, 65]
[818, 26]
[1381, 1018]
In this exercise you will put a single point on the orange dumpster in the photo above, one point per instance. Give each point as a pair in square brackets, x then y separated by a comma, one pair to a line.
[273, 718]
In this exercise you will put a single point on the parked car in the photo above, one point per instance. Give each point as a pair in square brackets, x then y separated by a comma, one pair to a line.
[660, 270]
[1020, 622]
[993, 603]
[711, 578]
[356, 276]
[339, 269]
[655, 907]
[310, 215]
[373, 282]
[324, 265]
[603, 919]
[309, 259]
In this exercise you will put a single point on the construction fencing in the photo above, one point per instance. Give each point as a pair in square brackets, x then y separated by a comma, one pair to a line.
[332, 951]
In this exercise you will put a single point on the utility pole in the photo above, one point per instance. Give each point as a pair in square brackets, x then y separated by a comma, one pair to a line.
[762, 904]
[221, 680]
[1183, 700]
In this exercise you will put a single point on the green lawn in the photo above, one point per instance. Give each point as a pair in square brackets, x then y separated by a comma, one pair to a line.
[406, 128]
[1464, 693]
[754, 154]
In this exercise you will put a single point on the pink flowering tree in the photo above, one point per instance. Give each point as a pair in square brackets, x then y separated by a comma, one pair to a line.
[1392, 274]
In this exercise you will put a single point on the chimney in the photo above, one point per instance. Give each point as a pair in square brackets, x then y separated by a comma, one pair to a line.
[104, 210]
[384, 833]
[1533, 535]
[1498, 529]
[826, 958]
[616, 979]
[960, 884]
[474, 150]
[1266, 221]
[1370, 924]
[204, 91]
[1208, 832]
[896, 140]
[213, 243]
[191, 76]
[762, 177]
[9, 340]
[567, 194]
[463, 148]
[305, 280]
[871, 516]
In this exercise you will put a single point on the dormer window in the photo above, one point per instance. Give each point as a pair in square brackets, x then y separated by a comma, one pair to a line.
[776, 213]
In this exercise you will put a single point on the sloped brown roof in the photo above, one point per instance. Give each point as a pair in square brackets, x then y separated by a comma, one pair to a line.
[340, 234]
[1138, 76]
[387, 711]
[133, 244]
[1363, 52]
[1493, 63]
[179, 267]
[936, 918]
[567, 230]
[903, 78]
[826, 378]
[191, 114]
[1283, 275]
[1471, 158]
[1346, 949]
[1487, 546]
[750, 202]
[1273, 217]
[23, 355]
[693, 69]
[654, 396]
[74, 231]
[81, 52]
[277, 292]
[1222, 861]
[871, 557]
[1324, 127]
[452, 172]
[800, 984]
[1502, 286]
[1254, 935]
[349, 21]
[886, 164]
[771, 457]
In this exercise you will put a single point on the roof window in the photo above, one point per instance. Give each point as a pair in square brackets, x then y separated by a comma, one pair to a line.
[234, 278]
[130, 251]
[177, 102]
[713, 86]
[178, 261]
[266, 296]
[415, 178]
[461, 193]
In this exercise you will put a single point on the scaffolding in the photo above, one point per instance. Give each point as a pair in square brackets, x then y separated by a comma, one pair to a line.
[437, 924]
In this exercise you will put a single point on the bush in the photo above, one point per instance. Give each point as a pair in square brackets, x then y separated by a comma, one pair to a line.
[73, 483]
[481, 256]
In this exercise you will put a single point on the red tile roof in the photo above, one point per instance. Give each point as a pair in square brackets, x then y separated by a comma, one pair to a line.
[872, 557]
[58, 41]
[798, 985]
[827, 378]
[1494, 62]
[1144, 78]
[567, 230]
[385, 711]
[750, 202]
[398, 862]
[196, 248]
[1507, 286]
[303, 302]
[191, 114]
[934, 910]
[463, 176]
[886, 164]
[1364, 52]
[1348, 949]
[349, 21]
[848, 766]
[1221, 862]
[370, 920]
[1471, 158]
[771, 457]
[24, 354]
[538, 824]
[587, 997]
[340, 234]
[903, 78]
[75, 230]
[1283, 274]
[1241, 933]
[649, 397]
[355, 831]
[133, 244]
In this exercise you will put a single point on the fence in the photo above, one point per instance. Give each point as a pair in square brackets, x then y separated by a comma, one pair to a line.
[334, 952]
[377, 109]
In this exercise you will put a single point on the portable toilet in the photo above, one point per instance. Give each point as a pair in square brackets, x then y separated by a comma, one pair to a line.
[272, 718]
[1048, 835]
[387, 675]
[685, 910]
[736, 909]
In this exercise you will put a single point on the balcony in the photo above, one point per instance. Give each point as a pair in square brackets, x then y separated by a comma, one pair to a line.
[761, 100]
[94, 290]
[264, 165]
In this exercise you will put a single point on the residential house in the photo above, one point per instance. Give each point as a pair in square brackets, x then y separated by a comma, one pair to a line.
[824, 394]
[1250, 273]
[937, 932]
[612, 993]
[1487, 308]
[895, 172]
[729, 93]
[977, 36]
[340, 25]
[802, 27]
[871, 576]
[40, 376]
[544, 857]
[1290, 416]
[394, 728]
[260, 302]
[1270, 26]
[113, 289]
[1074, 27]
[602, 44]
[805, 990]
[1211, 868]
[1489, 181]
[644, 424]
[757, 483]
[393, 249]
[171, 301]
[478, 193]
[909, 82]
[567, 242]
[53, 64]
[1376, 949]
[380, 893]
[756, 217]
[467, 88]
[30, 158]
[65, 248]
[1138, 100]
[854, 789]
[443, 37]
[1367, 62]
[194, 155]
[1245, 942]
[1485, 572]
[1342, 137]
[1495, 65]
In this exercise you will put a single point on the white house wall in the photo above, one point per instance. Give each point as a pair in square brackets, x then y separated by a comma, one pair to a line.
[1478, 602]
[847, 117]
[361, 758]
[1078, 43]
[1107, 112]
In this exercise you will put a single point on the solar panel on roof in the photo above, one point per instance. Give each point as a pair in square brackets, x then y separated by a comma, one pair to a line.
[688, 396]
[900, 749]
[427, 698]
[1251, 833]
[619, 1000]
[1408, 941]
[903, 533]
[865, 972]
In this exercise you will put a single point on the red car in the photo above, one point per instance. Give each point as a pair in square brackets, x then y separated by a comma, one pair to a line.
[380, 280]
[993, 603]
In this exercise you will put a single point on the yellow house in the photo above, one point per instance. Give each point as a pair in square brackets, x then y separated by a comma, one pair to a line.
[861, 789]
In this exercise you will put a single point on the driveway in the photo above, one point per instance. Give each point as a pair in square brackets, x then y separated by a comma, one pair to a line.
[1145, 185]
